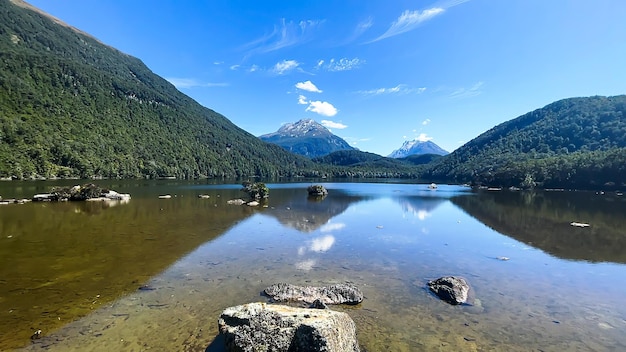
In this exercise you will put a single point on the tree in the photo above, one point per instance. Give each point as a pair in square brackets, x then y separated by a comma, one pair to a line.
[256, 190]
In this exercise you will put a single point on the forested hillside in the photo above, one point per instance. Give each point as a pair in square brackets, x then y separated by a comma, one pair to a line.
[365, 164]
[73, 107]
[572, 143]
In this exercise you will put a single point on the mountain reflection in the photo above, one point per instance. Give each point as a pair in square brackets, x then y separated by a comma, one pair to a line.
[420, 207]
[542, 220]
[294, 209]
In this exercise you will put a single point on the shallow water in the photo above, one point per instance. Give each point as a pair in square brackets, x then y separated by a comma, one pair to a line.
[73, 270]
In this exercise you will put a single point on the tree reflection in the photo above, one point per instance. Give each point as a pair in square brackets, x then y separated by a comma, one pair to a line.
[542, 220]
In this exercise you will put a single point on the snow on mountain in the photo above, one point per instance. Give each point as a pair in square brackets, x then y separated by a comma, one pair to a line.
[417, 147]
[306, 137]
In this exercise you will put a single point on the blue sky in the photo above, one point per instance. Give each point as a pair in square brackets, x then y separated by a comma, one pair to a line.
[376, 73]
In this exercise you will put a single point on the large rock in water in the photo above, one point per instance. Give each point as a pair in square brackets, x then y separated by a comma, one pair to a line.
[333, 294]
[451, 289]
[268, 327]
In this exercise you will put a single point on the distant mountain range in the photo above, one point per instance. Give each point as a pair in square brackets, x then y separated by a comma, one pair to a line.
[72, 107]
[307, 137]
[417, 147]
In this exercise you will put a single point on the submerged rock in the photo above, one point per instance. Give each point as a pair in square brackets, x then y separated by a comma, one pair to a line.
[451, 289]
[317, 304]
[268, 327]
[334, 294]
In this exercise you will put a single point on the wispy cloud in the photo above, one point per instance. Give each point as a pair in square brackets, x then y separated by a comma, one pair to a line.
[343, 64]
[332, 124]
[468, 92]
[285, 66]
[358, 31]
[426, 122]
[363, 26]
[188, 83]
[409, 20]
[302, 100]
[286, 34]
[355, 141]
[322, 107]
[308, 86]
[399, 89]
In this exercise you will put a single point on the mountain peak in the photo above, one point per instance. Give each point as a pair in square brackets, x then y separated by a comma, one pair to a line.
[304, 127]
[306, 137]
[416, 147]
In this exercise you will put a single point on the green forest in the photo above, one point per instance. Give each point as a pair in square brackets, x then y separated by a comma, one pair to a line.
[73, 107]
[576, 143]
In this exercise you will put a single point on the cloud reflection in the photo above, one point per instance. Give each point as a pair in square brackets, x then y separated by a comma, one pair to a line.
[322, 244]
[306, 265]
[332, 227]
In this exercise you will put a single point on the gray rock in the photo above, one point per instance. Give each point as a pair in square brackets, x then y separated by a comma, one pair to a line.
[334, 294]
[317, 304]
[267, 327]
[317, 190]
[451, 289]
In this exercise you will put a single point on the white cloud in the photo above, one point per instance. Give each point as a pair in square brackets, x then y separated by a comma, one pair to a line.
[426, 122]
[302, 100]
[286, 34]
[332, 226]
[332, 124]
[468, 92]
[285, 66]
[424, 138]
[322, 244]
[409, 20]
[234, 67]
[363, 26]
[399, 89]
[343, 64]
[182, 83]
[308, 86]
[322, 108]
[359, 29]
[253, 68]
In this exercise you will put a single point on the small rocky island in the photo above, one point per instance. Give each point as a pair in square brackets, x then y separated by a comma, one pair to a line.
[86, 192]
[317, 190]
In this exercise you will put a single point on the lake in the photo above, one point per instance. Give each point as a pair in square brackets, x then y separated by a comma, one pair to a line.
[154, 274]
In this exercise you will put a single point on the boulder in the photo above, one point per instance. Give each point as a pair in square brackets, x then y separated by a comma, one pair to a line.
[268, 327]
[317, 190]
[451, 289]
[333, 294]
[236, 201]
